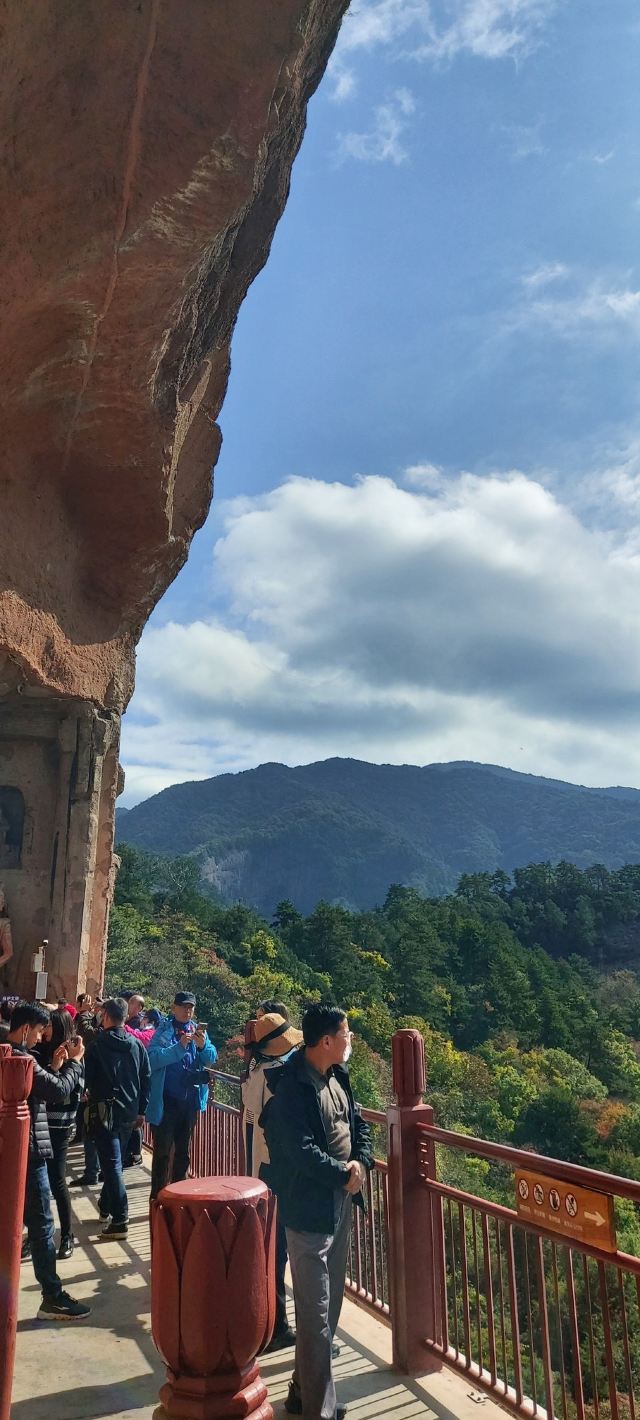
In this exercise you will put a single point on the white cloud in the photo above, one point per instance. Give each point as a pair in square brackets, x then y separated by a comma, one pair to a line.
[479, 619]
[603, 158]
[614, 493]
[543, 275]
[597, 304]
[442, 29]
[383, 143]
[423, 475]
[342, 79]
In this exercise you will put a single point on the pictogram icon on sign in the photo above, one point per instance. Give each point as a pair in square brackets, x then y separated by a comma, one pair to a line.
[523, 1188]
[538, 1194]
[571, 1205]
[554, 1199]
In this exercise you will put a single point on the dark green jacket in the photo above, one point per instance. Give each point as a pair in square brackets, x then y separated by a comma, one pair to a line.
[301, 1171]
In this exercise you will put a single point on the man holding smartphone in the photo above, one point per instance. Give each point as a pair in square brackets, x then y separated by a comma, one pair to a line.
[180, 1054]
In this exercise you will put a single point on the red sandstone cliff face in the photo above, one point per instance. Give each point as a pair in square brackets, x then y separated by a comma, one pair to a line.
[148, 148]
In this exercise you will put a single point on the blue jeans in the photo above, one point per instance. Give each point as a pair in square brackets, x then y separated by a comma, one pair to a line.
[112, 1147]
[39, 1220]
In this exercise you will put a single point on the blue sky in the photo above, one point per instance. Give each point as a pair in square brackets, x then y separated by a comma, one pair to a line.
[424, 541]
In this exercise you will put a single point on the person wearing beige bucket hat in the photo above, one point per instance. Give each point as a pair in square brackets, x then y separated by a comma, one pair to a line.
[275, 1041]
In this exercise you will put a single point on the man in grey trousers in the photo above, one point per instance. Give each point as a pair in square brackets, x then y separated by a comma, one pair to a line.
[320, 1150]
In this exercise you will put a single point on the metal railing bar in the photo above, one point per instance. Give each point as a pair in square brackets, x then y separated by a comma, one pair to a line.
[539, 1163]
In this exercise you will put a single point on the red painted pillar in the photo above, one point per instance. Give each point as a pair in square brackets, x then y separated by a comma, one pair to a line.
[415, 1231]
[213, 1295]
[16, 1075]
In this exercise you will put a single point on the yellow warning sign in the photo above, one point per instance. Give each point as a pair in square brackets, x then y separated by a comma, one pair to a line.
[579, 1213]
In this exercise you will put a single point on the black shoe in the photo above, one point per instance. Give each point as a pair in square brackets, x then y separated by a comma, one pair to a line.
[66, 1248]
[335, 1350]
[114, 1232]
[293, 1403]
[280, 1341]
[25, 1252]
[63, 1308]
[341, 1411]
[82, 1182]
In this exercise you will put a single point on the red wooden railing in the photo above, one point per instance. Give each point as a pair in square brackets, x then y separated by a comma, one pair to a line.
[550, 1326]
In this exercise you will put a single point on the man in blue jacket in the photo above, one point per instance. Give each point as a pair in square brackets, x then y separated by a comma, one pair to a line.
[179, 1054]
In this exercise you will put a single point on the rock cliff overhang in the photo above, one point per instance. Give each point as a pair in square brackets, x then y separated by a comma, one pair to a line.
[148, 151]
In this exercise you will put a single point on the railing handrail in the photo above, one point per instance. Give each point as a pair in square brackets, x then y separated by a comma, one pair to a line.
[372, 1116]
[539, 1163]
[225, 1076]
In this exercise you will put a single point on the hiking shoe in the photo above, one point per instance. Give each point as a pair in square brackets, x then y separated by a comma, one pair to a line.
[82, 1182]
[293, 1402]
[65, 1249]
[62, 1308]
[114, 1232]
[280, 1341]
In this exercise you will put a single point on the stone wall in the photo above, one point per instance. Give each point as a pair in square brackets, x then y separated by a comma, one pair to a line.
[61, 757]
[147, 156]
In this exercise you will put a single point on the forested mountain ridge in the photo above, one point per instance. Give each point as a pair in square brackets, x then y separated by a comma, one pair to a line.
[345, 830]
[526, 1040]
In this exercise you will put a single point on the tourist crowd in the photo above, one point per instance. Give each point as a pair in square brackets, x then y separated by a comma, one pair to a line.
[100, 1071]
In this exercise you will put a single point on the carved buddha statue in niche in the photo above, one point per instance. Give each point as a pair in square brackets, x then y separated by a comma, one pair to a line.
[6, 941]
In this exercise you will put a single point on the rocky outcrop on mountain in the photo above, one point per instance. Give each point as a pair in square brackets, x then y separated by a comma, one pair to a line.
[148, 149]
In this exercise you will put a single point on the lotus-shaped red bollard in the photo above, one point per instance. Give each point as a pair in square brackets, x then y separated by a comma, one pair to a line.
[213, 1295]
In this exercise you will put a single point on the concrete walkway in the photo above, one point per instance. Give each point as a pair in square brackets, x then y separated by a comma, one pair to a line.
[108, 1366]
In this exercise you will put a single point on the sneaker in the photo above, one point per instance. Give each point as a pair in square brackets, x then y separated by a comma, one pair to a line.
[335, 1350]
[114, 1232]
[341, 1411]
[82, 1182]
[66, 1248]
[104, 1217]
[280, 1341]
[25, 1252]
[62, 1308]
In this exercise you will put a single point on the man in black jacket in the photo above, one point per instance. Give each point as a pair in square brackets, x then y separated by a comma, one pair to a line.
[54, 1086]
[117, 1077]
[320, 1150]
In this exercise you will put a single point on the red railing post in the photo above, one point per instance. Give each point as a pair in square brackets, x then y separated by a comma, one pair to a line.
[415, 1244]
[16, 1074]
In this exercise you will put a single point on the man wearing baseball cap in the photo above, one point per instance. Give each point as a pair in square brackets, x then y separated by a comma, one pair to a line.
[179, 1053]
